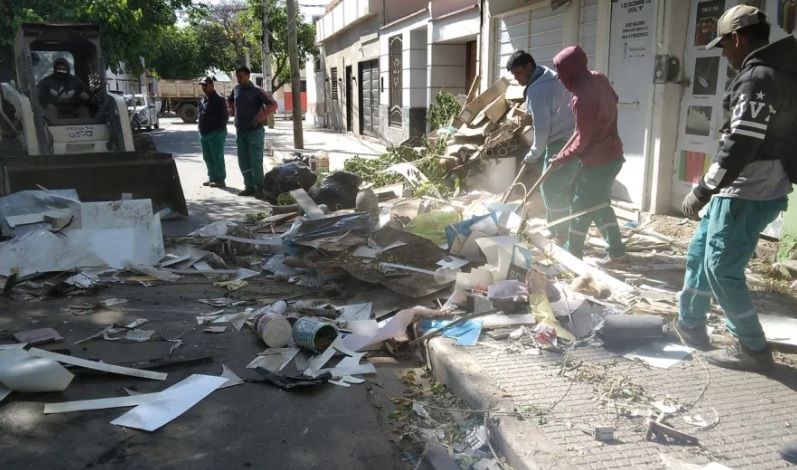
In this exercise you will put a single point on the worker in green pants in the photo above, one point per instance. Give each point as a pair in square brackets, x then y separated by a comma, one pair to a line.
[250, 159]
[593, 187]
[746, 187]
[547, 103]
[557, 190]
[251, 106]
[213, 117]
[596, 146]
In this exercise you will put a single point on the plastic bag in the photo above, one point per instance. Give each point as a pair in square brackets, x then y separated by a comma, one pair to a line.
[286, 178]
[337, 191]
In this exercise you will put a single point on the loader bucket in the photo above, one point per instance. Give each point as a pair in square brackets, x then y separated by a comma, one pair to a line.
[99, 176]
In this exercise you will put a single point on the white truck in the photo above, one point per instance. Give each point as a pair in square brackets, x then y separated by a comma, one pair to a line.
[182, 96]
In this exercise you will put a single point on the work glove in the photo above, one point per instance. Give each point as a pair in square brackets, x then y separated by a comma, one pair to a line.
[691, 206]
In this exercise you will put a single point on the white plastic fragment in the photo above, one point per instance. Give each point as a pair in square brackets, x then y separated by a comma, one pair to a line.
[170, 403]
[110, 368]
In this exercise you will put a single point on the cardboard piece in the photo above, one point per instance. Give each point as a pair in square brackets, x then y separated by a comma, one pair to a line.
[170, 403]
[473, 108]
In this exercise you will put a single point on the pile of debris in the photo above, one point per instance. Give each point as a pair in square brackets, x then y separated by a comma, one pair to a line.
[388, 272]
[494, 124]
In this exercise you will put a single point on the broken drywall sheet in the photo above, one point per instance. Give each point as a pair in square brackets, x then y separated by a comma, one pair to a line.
[98, 404]
[779, 330]
[110, 368]
[232, 377]
[274, 359]
[170, 403]
[355, 312]
[104, 234]
[661, 355]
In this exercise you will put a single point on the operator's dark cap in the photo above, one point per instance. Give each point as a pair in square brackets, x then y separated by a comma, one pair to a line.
[735, 19]
[206, 80]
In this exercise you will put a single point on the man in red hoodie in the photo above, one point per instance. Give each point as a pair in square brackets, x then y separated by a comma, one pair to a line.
[598, 147]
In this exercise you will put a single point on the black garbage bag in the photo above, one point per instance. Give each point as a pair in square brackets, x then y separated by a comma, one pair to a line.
[337, 191]
[289, 382]
[286, 178]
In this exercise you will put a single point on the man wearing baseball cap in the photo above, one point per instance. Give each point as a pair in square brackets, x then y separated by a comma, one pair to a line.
[213, 118]
[745, 188]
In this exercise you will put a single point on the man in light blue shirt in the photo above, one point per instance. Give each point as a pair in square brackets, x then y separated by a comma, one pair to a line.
[547, 102]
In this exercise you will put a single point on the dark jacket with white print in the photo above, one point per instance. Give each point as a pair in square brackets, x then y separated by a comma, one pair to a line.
[760, 128]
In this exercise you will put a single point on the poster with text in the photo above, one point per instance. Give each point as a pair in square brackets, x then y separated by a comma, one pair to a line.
[706, 25]
[706, 74]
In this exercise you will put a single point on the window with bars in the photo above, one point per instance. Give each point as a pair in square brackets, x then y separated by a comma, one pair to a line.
[396, 85]
[333, 76]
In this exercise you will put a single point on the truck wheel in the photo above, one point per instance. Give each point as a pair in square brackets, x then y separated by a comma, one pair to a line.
[187, 113]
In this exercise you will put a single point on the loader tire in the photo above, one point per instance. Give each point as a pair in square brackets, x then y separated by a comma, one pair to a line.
[144, 143]
[187, 113]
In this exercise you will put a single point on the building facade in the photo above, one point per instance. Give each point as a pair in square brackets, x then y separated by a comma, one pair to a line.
[670, 88]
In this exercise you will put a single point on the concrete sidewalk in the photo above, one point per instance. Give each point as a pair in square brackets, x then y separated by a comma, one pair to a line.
[338, 146]
[752, 415]
[600, 387]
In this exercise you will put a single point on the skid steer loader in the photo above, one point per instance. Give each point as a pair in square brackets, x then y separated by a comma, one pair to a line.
[87, 144]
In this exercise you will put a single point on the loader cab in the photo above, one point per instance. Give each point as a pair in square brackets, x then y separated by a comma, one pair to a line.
[79, 47]
[71, 113]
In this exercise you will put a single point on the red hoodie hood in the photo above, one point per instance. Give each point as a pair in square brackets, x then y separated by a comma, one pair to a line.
[571, 65]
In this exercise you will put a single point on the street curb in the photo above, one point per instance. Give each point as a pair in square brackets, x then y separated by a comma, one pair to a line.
[524, 445]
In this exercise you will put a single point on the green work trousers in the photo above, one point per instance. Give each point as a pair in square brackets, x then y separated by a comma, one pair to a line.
[250, 157]
[557, 190]
[213, 153]
[723, 244]
[594, 187]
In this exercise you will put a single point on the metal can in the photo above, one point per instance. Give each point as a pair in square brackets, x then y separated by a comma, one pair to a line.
[314, 335]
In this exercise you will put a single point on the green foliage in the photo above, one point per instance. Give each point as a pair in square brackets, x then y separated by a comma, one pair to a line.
[278, 39]
[426, 159]
[227, 31]
[129, 29]
[179, 54]
[443, 109]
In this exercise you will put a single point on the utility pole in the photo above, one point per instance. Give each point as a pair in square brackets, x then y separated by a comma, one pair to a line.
[266, 56]
[296, 86]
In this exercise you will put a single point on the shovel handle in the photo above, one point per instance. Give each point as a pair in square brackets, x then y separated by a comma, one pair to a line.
[514, 183]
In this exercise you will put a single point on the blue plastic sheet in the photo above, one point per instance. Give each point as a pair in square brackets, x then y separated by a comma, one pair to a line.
[464, 228]
[466, 334]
